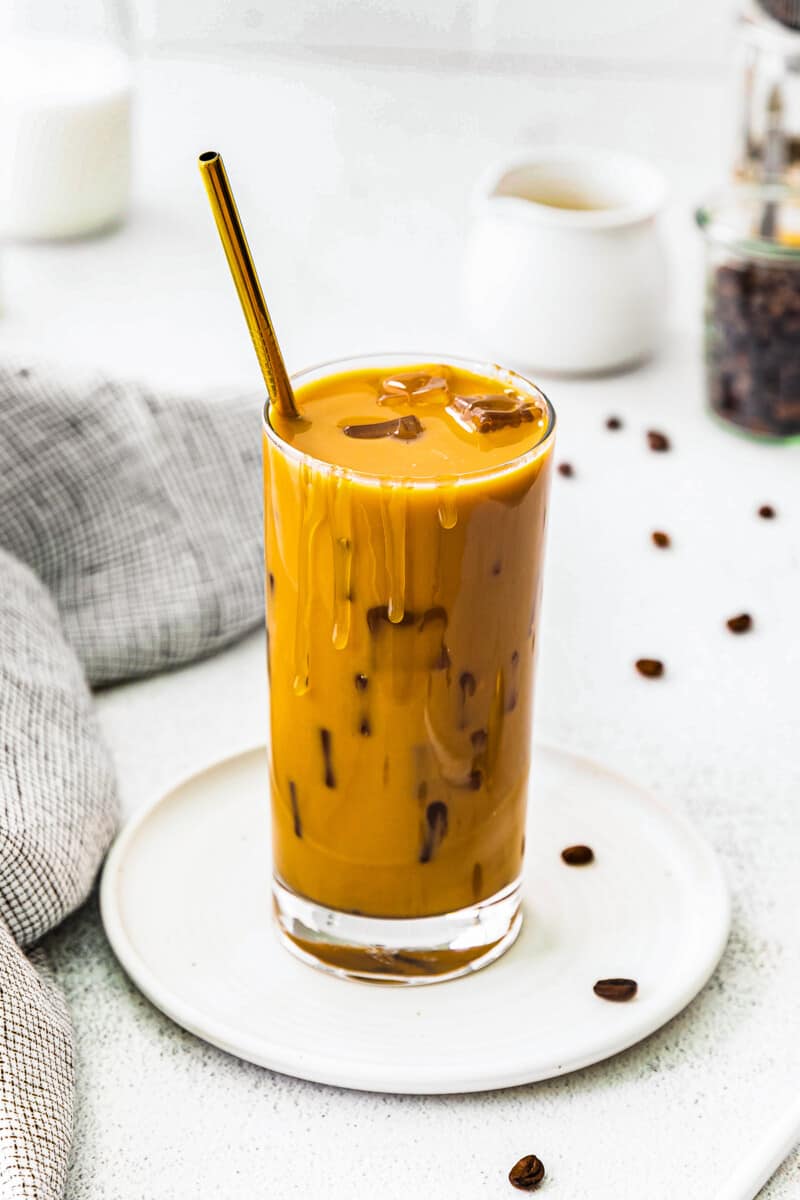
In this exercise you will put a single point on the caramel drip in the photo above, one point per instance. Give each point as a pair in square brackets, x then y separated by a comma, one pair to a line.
[367, 548]
[269, 578]
[393, 515]
[513, 693]
[438, 566]
[448, 513]
[273, 506]
[312, 505]
[341, 531]
[494, 731]
[397, 589]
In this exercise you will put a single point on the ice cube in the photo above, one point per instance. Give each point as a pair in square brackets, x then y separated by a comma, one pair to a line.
[486, 414]
[405, 428]
[411, 385]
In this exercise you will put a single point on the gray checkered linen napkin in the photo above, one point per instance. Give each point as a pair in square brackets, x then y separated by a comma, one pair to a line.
[129, 542]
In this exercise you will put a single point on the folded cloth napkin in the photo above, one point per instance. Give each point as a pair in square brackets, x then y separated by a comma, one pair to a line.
[130, 541]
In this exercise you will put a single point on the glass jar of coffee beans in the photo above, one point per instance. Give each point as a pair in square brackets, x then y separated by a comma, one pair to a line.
[752, 310]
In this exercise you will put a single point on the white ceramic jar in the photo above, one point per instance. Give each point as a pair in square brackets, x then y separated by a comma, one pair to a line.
[565, 271]
[66, 84]
[64, 136]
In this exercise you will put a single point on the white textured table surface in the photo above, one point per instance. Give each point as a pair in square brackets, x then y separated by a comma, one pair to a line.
[354, 182]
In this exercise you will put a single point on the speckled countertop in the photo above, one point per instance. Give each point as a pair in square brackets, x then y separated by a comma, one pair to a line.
[360, 243]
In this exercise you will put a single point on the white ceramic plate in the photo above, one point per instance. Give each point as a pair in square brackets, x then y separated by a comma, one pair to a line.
[186, 905]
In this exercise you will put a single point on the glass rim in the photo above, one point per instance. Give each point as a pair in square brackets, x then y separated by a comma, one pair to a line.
[410, 358]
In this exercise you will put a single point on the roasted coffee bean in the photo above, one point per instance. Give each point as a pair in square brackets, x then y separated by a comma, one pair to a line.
[651, 668]
[527, 1174]
[657, 441]
[577, 856]
[767, 512]
[613, 423]
[361, 682]
[741, 624]
[298, 825]
[566, 469]
[661, 539]
[327, 757]
[616, 989]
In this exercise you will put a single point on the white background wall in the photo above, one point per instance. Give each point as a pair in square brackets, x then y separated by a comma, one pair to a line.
[682, 35]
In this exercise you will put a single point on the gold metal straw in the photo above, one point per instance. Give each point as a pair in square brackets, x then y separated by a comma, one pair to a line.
[243, 270]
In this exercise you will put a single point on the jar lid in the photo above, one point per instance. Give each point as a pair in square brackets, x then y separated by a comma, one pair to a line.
[754, 221]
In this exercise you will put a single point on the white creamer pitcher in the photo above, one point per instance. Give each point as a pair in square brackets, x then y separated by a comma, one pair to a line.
[565, 271]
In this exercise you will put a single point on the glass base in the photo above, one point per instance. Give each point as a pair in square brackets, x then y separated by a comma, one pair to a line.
[412, 950]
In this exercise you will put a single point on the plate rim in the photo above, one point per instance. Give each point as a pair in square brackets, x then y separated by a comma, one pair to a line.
[336, 1071]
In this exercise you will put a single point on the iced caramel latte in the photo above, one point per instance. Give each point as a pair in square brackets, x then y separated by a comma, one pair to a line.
[405, 521]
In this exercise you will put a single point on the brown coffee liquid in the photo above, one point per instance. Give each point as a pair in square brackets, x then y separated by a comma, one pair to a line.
[404, 550]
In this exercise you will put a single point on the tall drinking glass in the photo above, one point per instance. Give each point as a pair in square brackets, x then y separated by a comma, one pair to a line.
[404, 571]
